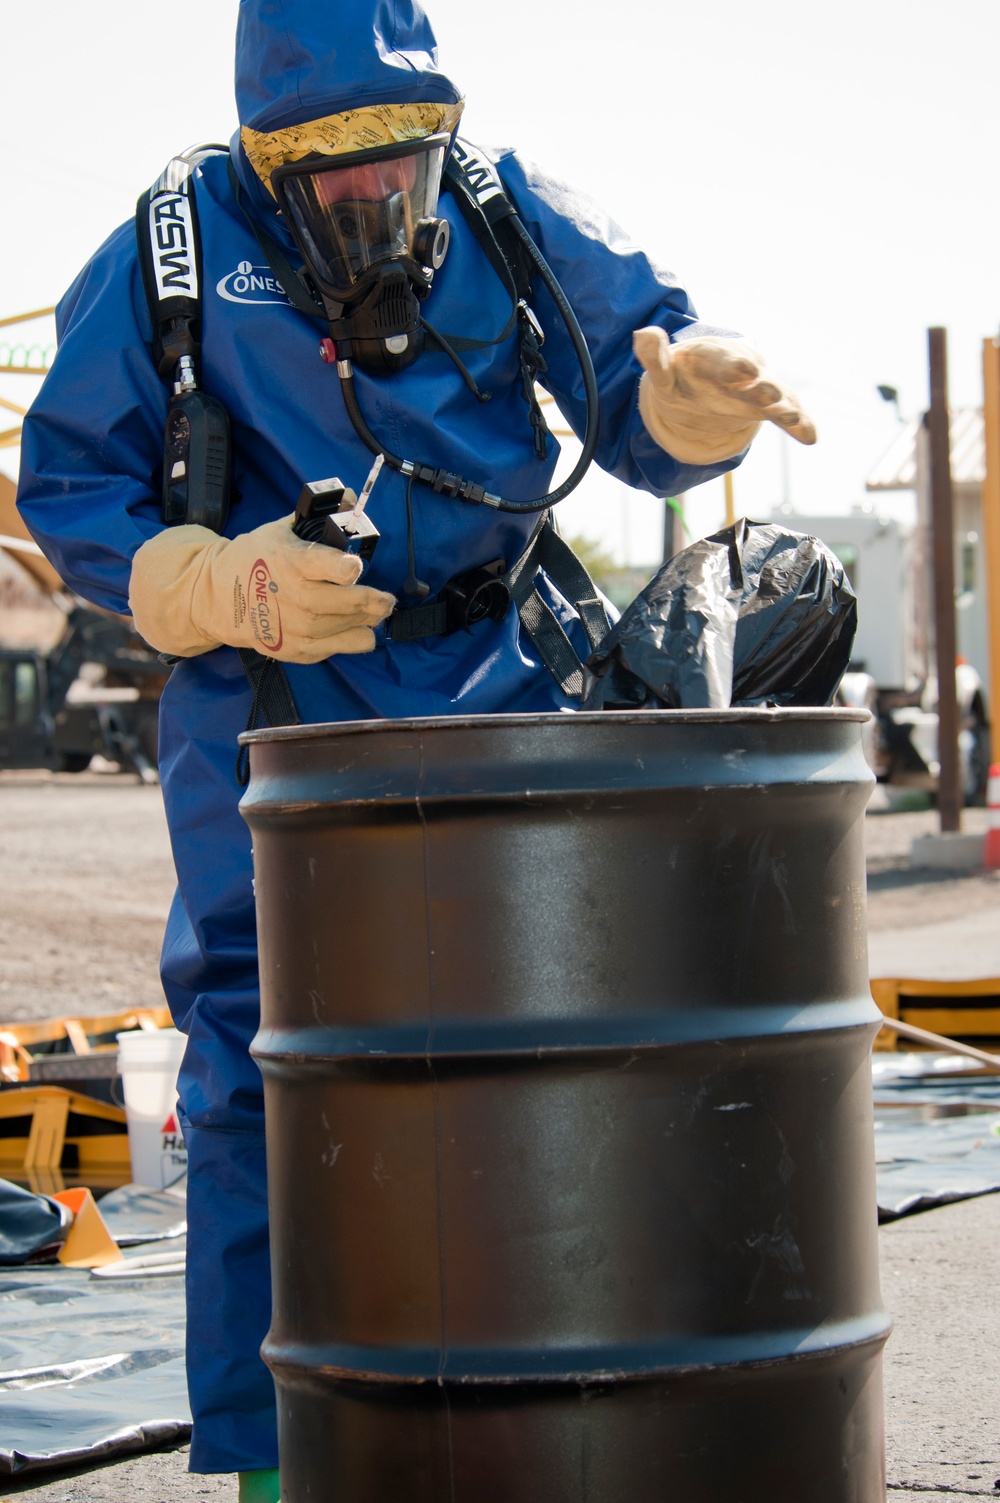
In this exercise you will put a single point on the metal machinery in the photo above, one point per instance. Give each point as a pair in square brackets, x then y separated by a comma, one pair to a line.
[49, 715]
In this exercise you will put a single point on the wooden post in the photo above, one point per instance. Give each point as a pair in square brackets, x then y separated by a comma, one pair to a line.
[943, 552]
[991, 531]
[673, 528]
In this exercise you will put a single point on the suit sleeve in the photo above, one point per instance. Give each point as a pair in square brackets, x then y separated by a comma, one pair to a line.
[613, 288]
[92, 443]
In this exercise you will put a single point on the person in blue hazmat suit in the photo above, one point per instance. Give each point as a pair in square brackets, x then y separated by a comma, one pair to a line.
[345, 120]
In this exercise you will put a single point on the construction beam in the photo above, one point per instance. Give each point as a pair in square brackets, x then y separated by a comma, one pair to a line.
[25, 318]
[943, 554]
[991, 530]
[48, 1130]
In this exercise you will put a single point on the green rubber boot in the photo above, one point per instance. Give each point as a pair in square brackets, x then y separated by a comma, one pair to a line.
[260, 1487]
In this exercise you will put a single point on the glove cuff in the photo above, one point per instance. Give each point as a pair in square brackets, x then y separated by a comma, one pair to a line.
[169, 573]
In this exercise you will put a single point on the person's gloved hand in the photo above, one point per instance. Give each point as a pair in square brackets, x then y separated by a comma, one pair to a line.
[702, 400]
[299, 602]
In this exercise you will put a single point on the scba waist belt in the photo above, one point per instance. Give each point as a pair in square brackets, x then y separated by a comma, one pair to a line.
[477, 595]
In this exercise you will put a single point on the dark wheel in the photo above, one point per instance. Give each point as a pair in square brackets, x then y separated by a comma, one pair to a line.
[974, 757]
[74, 762]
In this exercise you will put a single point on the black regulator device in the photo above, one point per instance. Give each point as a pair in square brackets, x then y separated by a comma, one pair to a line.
[328, 513]
[197, 464]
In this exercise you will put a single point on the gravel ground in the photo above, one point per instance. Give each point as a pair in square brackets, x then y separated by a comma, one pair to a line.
[942, 1379]
[935, 925]
[87, 877]
[888, 836]
[156, 1477]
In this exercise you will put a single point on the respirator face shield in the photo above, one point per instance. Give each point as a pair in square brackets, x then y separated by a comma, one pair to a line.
[355, 215]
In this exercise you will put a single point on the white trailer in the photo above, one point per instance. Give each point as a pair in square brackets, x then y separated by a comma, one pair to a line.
[892, 673]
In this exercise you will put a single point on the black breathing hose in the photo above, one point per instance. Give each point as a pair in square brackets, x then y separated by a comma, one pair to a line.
[449, 484]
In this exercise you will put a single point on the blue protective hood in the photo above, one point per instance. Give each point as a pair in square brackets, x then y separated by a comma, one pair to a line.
[299, 60]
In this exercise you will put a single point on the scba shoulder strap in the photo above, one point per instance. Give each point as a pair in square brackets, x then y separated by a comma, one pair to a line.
[486, 207]
[169, 245]
[197, 463]
[197, 446]
[169, 249]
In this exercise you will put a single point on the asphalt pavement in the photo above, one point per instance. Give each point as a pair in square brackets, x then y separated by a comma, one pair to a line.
[940, 1274]
[936, 925]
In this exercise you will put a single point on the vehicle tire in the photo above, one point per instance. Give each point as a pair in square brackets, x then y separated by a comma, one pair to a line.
[74, 761]
[146, 728]
[974, 756]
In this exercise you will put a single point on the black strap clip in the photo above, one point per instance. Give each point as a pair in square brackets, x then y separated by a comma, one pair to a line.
[533, 364]
[477, 595]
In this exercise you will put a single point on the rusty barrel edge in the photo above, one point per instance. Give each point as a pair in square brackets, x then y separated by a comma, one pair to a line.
[565, 1031]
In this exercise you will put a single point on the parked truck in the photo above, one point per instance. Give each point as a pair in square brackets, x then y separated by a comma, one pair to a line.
[96, 691]
[891, 672]
[56, 714]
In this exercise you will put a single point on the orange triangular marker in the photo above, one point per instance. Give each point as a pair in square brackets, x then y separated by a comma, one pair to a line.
[171, 1124]
[88, 1244]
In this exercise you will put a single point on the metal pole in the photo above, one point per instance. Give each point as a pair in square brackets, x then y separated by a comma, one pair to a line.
[991, 530]
[943, 546]
[730, 501]
[673, 527]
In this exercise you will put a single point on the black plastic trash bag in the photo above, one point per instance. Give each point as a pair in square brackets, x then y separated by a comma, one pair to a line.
[31, 1226]
[754, 615]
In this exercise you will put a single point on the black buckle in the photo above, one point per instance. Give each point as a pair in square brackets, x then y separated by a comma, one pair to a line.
[478, 595]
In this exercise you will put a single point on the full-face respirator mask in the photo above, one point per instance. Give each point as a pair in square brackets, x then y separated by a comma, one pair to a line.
[367, 228]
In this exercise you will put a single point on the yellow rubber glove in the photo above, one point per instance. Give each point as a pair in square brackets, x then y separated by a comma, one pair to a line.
[702, 400]
[298, 602]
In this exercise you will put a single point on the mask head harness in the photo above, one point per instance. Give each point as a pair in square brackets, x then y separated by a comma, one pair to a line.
[366, 225]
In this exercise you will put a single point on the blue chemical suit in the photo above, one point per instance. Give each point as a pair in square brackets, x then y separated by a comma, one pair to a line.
[89, 492]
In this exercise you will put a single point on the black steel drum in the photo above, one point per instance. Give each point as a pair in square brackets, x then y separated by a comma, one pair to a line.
[565, 1040]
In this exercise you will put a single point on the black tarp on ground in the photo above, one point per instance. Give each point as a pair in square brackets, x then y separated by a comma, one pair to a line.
[93, 1367]
[30, 1225]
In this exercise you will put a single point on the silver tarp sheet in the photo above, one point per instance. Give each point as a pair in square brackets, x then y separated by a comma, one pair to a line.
[93, 1367]
[937, 1132]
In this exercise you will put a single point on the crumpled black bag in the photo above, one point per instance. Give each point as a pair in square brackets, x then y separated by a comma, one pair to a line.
[31, 1226]
[754, 615]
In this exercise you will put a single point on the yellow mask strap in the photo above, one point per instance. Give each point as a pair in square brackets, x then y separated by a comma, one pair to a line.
[353, 130]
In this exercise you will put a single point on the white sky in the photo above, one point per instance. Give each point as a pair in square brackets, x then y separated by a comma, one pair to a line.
[820, 175]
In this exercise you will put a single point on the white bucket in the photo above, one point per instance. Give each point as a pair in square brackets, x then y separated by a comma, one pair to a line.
[148, 1062]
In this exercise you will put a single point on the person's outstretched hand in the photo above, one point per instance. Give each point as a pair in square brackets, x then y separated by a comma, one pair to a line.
[702, 400]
